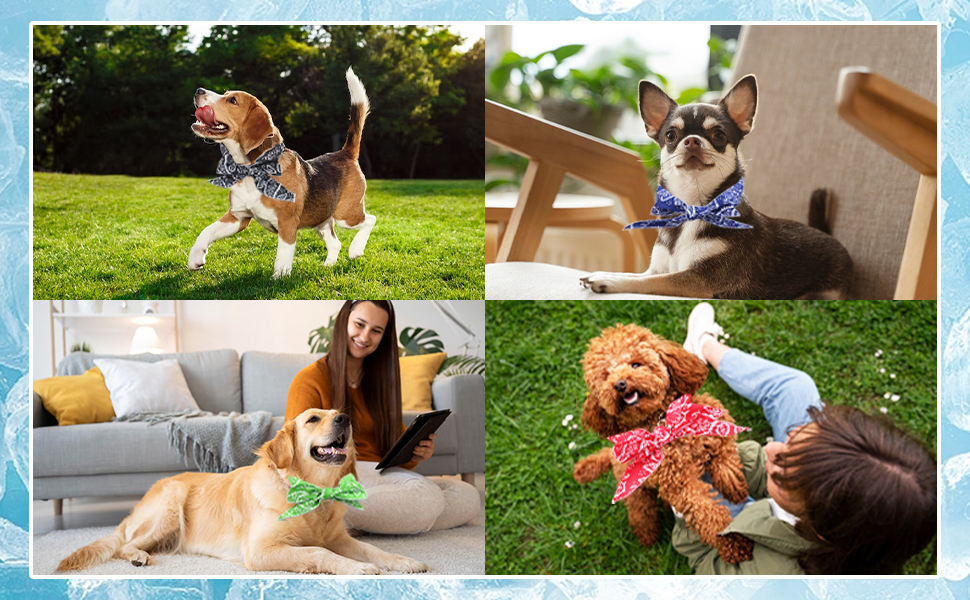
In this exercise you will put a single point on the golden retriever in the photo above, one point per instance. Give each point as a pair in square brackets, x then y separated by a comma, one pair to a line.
[234, 516]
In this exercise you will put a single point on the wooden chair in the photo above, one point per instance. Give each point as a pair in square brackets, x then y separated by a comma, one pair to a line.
[905, 125]
[553, 152]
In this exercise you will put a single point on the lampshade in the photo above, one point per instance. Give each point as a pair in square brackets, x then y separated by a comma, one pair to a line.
[146, 340]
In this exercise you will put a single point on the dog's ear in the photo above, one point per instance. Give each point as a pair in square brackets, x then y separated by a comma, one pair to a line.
[279, 450]
[271, 140]
[257, 128]
[687, 372]
[741, 103]
[597, 419]
[655, 105]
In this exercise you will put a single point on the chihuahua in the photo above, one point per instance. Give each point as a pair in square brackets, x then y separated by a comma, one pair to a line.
[751, 256]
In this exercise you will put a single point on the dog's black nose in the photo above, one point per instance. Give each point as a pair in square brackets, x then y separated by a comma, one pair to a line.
[620, 385]
[200, 91]
[342, 420]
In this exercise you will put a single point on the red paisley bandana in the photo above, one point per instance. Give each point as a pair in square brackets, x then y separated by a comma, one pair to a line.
[642, 447]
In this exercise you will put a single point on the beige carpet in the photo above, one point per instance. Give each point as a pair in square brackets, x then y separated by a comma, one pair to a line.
[458, 551]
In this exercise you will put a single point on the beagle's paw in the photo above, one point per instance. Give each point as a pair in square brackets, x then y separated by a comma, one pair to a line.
[197, 258]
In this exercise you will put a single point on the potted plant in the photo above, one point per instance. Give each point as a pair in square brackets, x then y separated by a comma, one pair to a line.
[590, 100]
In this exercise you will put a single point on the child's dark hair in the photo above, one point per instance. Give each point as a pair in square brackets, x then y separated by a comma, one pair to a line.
[868, 492]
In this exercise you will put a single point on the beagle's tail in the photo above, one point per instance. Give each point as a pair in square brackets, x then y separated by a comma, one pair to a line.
[93, 554]
[359, 107]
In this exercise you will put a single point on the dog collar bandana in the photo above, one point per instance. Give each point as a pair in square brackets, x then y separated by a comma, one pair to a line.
[643, 447]
[716, 212]
[230, 173]
[307, 496]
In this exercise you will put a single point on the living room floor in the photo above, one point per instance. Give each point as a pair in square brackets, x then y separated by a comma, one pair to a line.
[109, 512]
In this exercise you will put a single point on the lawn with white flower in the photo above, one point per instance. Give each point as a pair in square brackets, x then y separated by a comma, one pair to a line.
[877, 356]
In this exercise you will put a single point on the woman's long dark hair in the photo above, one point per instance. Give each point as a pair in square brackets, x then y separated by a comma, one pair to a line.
[381, 381]
[868, 492]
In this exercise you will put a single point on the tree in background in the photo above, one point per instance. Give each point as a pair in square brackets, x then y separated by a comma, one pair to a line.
[118, 99]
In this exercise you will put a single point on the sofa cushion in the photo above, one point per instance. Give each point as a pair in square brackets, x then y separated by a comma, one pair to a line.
[75, 399]
[212, 375]
[417, 373]
[102, 448]
[140, 387]
[266, 379]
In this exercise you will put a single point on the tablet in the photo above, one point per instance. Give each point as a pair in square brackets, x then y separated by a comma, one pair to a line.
[421, 427]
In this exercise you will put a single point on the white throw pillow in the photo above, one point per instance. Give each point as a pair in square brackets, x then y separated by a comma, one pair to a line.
[138, 387]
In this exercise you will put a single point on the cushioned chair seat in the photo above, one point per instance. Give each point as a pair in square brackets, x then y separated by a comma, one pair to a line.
[539, 281]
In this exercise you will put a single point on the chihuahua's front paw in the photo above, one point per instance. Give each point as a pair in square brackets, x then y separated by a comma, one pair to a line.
[197, 258]
[601, 283]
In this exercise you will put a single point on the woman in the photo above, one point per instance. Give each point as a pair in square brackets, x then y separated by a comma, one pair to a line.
[360, 376]
[839, 491]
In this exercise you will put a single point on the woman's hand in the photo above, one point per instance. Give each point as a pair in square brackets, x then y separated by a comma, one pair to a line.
[424, 449]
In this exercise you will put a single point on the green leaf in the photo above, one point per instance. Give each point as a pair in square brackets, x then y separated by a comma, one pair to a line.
[689, 95]
[564, 52]
[462, 365]
[416, 340]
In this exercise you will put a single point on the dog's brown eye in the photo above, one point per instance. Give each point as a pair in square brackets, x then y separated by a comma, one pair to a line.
[719, 136]
[636, 365]
[232, 100]
[313, 419]
[671, 135]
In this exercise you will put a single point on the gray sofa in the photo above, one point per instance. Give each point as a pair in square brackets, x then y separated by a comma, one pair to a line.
[126, 458]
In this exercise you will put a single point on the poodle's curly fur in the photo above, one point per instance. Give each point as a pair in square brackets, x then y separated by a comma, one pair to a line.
[633, 376]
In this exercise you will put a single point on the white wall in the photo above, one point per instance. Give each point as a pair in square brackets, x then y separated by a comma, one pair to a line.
[244, 325]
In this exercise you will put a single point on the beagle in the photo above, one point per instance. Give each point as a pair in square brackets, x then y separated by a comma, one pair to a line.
[329, 189]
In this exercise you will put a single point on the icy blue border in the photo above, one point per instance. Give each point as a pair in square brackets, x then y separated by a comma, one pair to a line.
[954, 326]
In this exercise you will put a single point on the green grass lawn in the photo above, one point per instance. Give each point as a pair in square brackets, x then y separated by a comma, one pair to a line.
[127, 237]
[535, 380]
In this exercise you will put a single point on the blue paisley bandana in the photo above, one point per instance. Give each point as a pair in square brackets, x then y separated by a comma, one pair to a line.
[679, 212]
[230, 173]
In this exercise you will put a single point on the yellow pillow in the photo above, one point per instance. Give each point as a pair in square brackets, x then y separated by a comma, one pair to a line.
[76, 399]
[417, 373]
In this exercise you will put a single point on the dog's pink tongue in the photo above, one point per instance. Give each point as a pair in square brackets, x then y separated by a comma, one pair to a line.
[206, 115]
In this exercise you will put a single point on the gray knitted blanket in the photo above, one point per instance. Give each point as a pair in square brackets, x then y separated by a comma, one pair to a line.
[218, 443]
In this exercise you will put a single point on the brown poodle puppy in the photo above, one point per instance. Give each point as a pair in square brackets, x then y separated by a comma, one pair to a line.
[633, 376]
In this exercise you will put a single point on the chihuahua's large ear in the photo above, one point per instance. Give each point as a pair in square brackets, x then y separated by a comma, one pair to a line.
[687, 372]
[655, 105]
[256, 128]
[279, 450]
[742, 102]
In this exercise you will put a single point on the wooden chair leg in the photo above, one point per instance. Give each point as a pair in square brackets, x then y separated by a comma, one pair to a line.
[531, 213]
[58, 506]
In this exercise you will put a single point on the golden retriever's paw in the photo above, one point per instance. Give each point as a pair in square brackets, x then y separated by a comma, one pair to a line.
[352, 567]
[403, 564]
[138, 558]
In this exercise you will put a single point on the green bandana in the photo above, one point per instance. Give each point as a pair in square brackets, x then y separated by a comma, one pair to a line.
[307, 496]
